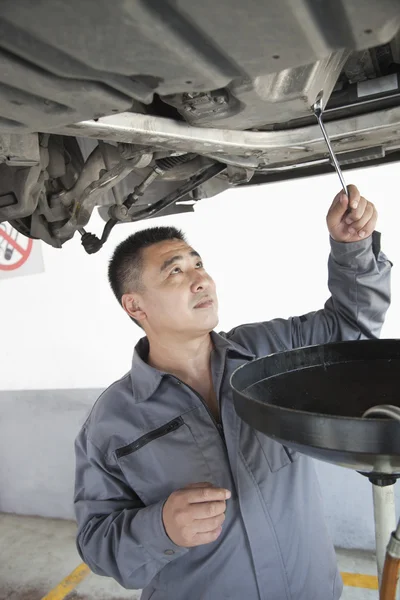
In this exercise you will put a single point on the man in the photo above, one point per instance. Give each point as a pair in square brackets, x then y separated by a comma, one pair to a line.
[174, 492]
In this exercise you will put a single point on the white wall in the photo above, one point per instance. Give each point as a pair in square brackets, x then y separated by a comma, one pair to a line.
[267, 249]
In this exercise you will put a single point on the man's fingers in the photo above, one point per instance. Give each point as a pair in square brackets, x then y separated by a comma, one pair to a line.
[207, 538]
[357, 213]
[342, 203]
[338, 208]
[369, 228]
[354, 196]
[207, 494]
[207, 525]
[351, 218]
[357, 225]
[206, 510]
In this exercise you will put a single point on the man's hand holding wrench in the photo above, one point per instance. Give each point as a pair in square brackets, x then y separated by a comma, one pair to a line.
[351, 217]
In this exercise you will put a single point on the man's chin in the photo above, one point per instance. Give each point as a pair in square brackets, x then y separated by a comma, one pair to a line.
[208, 322]
[212, 322]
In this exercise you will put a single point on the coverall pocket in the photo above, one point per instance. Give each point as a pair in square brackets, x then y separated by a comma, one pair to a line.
[162, 461]
[276, 455]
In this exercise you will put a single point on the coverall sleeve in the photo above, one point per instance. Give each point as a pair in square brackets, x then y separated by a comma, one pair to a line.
[359, 282]
[117, 535]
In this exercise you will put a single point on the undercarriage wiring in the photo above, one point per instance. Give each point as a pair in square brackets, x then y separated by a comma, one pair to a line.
[93, 244]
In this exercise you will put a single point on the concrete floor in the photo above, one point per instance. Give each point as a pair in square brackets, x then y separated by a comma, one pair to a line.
[351, 561]
[36, 554]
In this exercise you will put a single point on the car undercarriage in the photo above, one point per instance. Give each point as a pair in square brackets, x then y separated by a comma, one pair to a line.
[141, 109]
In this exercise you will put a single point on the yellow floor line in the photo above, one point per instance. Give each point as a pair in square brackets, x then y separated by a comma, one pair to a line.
[369, 582]
[68, 584]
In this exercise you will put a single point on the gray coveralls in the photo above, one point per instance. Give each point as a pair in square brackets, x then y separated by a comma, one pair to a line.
[150, 434]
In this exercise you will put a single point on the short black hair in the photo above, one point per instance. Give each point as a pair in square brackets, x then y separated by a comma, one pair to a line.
[126, 264]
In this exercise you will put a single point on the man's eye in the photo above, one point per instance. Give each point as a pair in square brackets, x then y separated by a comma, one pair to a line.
[176, 270]
[199, 265]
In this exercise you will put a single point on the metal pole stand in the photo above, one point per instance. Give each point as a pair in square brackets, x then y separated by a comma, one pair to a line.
[384, 515]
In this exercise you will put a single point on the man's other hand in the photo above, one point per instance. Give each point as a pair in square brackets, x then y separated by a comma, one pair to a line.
[351, 219]
[194, 515]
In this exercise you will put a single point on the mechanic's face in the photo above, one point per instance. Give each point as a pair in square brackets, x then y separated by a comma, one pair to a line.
[178, 295]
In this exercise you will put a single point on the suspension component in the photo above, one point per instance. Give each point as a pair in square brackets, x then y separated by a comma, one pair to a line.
[170, 162]
[93, 244]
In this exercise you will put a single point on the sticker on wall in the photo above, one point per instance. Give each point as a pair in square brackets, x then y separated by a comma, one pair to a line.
[19, 255]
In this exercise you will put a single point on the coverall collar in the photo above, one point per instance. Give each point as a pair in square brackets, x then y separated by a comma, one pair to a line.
[146, 379]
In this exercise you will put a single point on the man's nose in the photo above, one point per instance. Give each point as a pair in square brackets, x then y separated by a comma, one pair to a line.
[199, 282]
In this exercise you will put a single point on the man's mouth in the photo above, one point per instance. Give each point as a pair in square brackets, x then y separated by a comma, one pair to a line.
[205, 303]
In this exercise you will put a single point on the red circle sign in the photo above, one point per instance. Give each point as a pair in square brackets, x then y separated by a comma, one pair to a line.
[13, 254]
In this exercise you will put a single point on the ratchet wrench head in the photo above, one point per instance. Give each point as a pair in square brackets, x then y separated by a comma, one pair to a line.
[317, 107]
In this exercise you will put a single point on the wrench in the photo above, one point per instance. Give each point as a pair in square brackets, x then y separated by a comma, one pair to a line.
[317, 109]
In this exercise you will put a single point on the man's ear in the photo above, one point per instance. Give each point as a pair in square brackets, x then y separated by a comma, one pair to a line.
[131, 305]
